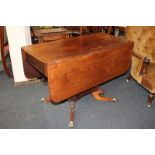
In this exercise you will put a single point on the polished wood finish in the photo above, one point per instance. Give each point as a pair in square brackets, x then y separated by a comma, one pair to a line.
[75, 67]
[77, 64]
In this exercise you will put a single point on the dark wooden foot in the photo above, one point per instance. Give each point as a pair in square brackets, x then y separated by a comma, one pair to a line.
[150, 99]
[129, 78]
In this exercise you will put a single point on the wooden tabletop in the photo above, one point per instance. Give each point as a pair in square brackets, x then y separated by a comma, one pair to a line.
[57, 51]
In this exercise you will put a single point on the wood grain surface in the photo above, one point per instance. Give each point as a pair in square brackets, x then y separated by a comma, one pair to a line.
[77, 64]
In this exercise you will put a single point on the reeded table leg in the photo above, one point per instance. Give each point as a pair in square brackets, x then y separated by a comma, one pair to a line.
[72, 111]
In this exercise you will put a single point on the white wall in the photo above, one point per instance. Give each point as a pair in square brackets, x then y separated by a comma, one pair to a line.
[18, 36]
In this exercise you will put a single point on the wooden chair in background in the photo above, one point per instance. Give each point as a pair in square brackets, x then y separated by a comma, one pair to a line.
[95, 29]
[5, 53]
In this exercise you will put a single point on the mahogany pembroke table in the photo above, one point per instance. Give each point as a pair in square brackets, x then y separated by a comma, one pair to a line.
[77, 66]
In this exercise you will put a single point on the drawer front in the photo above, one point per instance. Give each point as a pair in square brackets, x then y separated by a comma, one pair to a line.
[39, 66]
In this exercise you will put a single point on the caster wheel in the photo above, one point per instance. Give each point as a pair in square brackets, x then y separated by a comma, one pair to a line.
[114, 99]
[71, 124]
[148, 105]
[44, 100]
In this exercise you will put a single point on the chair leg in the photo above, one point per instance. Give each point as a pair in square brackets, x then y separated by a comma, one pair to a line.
[150, 99]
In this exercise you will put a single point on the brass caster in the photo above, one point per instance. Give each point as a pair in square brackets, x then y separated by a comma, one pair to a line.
[114, 99]
[127, 80]
[148, 105]
[43, 99]
[71, 124]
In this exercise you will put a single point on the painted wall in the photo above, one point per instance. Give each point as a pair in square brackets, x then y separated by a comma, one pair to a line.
[18, 36]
